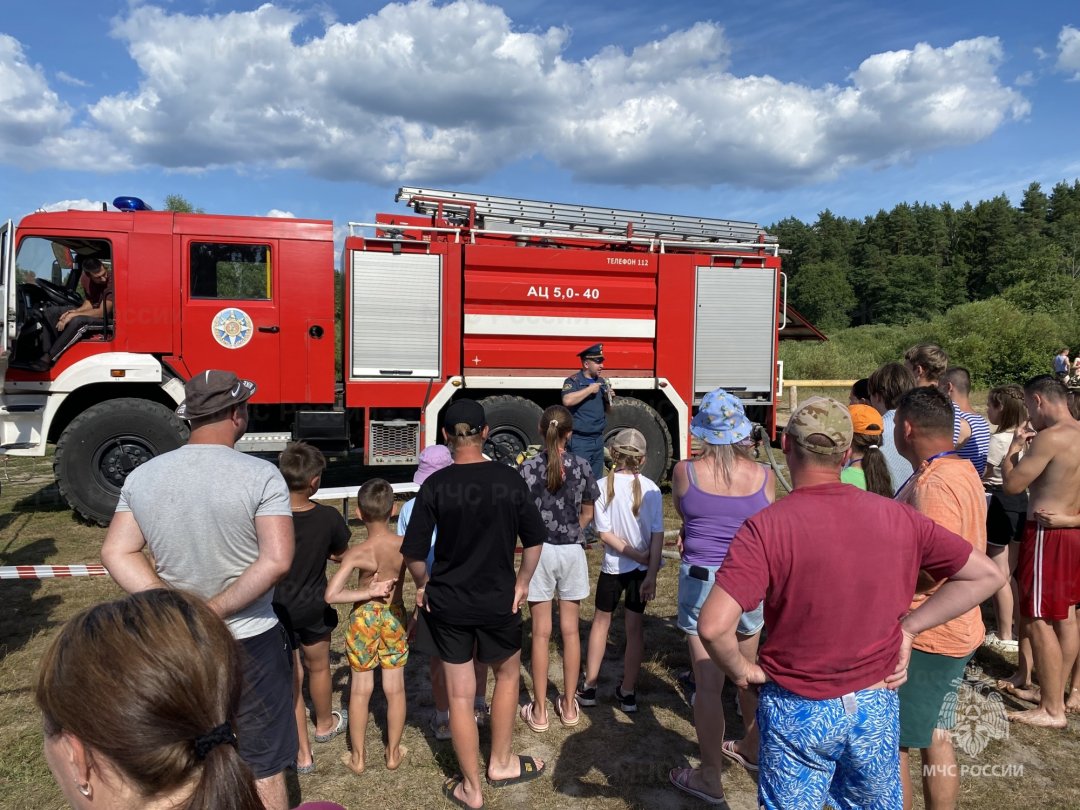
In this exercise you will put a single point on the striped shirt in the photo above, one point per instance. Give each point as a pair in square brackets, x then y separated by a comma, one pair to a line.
[899, 467]
[975, 448]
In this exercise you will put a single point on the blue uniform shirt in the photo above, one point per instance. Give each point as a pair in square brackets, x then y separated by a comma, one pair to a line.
[589, 416]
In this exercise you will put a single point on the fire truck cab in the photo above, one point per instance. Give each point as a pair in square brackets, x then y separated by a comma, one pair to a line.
[467, 295]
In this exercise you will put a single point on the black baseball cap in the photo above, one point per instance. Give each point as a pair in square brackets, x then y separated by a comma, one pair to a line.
[464, 412]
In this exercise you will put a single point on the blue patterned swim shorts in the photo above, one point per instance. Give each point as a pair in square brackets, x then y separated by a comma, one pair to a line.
[844, 751]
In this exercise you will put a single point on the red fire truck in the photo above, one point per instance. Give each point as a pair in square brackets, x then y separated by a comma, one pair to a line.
[465, 295]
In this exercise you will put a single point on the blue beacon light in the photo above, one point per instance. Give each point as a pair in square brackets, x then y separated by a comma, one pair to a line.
[130, 204]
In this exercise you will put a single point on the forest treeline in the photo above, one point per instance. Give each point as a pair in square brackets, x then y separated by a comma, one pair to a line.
[997, 285]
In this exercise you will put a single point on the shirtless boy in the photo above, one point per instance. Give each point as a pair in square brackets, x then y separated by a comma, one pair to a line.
[376, 634]
[1048, 574]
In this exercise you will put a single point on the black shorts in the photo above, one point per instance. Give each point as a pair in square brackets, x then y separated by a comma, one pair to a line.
[313, 630]
[1005, 516]
[454, 643]
[610, 587]
[266, 725]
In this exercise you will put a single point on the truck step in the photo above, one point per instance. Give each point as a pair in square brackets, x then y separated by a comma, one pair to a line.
[272, 442]
[27, 408]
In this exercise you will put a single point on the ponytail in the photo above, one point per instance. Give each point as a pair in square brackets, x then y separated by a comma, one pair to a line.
[224, 782]
[874, 467]
[636, 507]
[555, 425]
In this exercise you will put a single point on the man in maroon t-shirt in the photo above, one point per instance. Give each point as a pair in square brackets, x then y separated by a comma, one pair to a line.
[837, 569]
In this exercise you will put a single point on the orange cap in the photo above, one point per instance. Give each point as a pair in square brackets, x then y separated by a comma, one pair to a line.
[865, 420]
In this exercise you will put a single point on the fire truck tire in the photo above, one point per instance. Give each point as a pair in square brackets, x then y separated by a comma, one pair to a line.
[628, 412]
[514, 424]
[103, 444]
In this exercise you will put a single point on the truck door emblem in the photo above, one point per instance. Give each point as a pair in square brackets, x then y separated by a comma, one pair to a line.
[231, 328]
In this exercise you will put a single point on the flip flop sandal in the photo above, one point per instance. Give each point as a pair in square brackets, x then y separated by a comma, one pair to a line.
[560, 704]
[302, 770]
[342, 724]
[448, 788]
[728, 749]
[526, 713]
[529, 771]
[680, 778]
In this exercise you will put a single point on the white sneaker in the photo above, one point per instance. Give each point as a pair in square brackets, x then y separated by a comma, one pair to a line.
[1002, 645]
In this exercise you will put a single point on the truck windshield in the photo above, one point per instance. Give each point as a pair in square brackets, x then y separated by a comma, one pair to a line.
[43, 258]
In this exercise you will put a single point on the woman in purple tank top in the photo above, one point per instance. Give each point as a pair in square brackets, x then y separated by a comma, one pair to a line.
[715, 492]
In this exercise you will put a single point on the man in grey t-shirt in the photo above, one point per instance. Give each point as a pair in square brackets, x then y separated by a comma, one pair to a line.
[218, 523]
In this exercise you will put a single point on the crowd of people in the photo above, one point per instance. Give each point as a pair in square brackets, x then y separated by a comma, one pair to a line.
[845, 612]
[1063, 369]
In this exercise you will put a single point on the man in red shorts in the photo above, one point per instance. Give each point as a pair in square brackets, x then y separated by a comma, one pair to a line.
[1049, 570]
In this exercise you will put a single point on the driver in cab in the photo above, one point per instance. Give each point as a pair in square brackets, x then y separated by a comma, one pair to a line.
[69, 320]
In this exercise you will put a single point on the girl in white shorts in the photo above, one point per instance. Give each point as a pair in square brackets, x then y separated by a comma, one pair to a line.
[564, 489]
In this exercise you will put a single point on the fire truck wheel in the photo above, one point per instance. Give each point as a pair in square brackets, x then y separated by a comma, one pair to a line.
[514, 424]
[103, 444]
[627, 412]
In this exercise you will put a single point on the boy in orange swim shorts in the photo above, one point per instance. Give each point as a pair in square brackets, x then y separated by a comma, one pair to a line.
[376, 635]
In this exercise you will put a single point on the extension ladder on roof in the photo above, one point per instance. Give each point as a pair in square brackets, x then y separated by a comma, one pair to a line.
[490, 210]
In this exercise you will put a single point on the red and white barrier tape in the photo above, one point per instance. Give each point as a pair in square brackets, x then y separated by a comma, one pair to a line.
[51, 571]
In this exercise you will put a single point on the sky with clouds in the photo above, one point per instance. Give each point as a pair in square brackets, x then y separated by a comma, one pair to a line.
[745, 111]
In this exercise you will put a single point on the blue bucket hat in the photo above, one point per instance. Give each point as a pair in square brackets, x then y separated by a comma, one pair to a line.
[721, 419]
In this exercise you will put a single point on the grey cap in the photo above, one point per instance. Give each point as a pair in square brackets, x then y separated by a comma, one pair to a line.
[213, 391]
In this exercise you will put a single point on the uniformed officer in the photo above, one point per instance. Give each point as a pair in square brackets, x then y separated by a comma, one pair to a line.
[589, 396]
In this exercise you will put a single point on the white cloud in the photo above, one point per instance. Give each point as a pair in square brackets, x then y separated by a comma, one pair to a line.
[36, 126]
[447, 93]
[278, 213]
[1068, 60]
[755, 130]
[67, 78]
[29, 111]
[81, 204]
